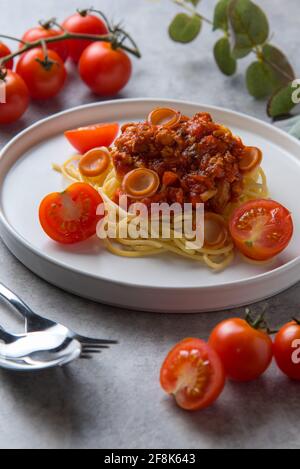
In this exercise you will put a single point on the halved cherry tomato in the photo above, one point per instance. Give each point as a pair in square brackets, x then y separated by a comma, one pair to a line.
[246, 352]
[250, 159]
[83, 23]
[166, 117]
[71, 216]
[193, 374]
[95, 162]
[4, 51]
[43, 32]
[287, 350]
[261, 229]
[141, 183]
[94, 136]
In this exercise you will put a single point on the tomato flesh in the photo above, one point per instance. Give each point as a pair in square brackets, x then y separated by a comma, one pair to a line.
[261, 229]
[287, 350]
[85, 139]
[71, 216]
[193, 374]
[246, 353]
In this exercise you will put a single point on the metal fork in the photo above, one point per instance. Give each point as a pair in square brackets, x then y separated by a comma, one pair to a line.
[37, 323]
[38, 350]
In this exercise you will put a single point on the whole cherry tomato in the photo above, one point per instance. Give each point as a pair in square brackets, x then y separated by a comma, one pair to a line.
[104, 69]
[83, 23]
[4, 51]
[193, 374]
[16, 96]
[45, 77]
[245, 352]
[45, 32]
[287, 350]
[71, 216]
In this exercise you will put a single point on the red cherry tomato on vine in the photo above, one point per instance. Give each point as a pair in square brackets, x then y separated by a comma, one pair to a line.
[71, 216]
[105, 70]
[245, 352]
[287, 350]
[83, 23]
[43, 81]
[4, 51]
[193, 374]
[17, 98]
[40, 32]
[84, 139]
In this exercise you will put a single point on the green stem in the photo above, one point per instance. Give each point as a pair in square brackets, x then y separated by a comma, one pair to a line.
[45, 49]
[126, 36]
[192, 10]
[59, 26]
[46, 62]
[47, 24]
[90, 37]
[11, 38]
[103, 16]
[259, 323]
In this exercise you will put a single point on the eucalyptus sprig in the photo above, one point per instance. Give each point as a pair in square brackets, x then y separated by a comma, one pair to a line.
[245, 30]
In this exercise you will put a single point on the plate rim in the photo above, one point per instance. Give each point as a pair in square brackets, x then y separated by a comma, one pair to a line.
[210, 108]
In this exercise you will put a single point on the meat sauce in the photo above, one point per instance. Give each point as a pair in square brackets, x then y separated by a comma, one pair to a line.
[197, 160]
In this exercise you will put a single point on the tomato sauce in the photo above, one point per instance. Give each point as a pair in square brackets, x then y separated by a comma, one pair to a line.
[197, 160]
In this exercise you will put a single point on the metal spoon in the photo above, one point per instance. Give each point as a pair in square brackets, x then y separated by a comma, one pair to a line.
[37, 351]
[34, 322]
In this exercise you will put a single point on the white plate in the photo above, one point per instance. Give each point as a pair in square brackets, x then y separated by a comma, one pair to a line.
[165, 283]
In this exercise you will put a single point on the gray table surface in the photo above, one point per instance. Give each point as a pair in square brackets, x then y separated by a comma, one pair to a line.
[115, 401]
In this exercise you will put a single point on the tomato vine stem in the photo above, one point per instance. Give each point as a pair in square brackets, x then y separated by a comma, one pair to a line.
[259, 322]
[111, 38]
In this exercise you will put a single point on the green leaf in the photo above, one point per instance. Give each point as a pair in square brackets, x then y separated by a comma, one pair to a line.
[281, 103]
[280, 69]
[259, 80]
[221, 15]
[185, 28]
[222, 52]
[241, 47]
[270, 74]
[249, 24]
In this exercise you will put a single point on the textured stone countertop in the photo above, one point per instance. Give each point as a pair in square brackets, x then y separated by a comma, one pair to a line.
[115, 401]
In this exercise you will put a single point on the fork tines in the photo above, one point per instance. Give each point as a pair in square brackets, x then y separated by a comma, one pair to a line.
[91, 341]
[89, 349]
